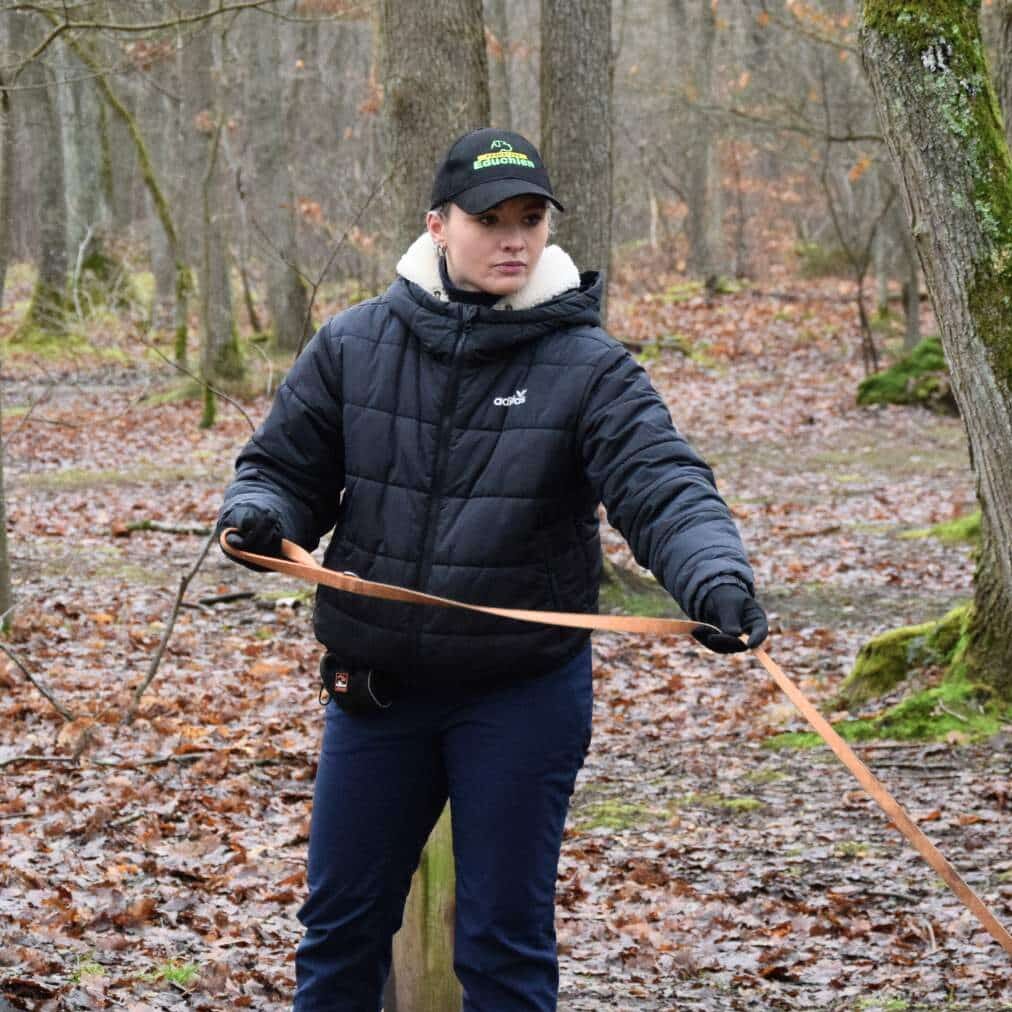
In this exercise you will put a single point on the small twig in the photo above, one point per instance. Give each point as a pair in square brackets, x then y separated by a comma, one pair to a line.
[162, 528]
[184, 582]
[125, 820]
[36, 759]
[270, 366]
[77, 270]
[952, 713]
[60, 709]
[931, 934]
[238, 595]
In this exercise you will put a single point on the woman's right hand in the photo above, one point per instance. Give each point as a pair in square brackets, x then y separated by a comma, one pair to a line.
[257, 529]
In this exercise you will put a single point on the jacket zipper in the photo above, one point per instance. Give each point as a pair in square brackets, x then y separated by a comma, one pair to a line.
[443, 437]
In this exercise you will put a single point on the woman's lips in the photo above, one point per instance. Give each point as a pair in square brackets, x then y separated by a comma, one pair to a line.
[510, 267]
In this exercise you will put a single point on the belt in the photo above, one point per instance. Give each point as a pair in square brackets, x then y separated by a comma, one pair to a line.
[299, 563]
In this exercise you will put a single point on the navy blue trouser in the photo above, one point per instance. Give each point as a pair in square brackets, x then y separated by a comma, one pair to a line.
[507, 759]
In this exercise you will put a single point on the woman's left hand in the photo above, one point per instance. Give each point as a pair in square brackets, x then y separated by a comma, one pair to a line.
[733, 610]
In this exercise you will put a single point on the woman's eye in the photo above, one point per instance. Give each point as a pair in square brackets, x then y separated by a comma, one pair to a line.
[534, 220]
[487, 219]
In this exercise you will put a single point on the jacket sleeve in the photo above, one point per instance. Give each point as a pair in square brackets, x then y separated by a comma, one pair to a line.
[294, 463]
[659, 493]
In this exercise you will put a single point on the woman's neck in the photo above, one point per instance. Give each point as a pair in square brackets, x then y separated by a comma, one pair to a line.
[455, 294]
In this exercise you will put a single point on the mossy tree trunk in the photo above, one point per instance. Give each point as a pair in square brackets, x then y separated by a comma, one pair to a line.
[41, 120]
[184, 278]
[422, 977]
[274, 191]
[941, 121]
[220, 357]
[576, 128]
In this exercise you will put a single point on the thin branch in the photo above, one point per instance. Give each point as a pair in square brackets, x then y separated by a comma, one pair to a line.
[57, 706]
[151, 26]
[315, 285]
[184, 582]
[198, 379]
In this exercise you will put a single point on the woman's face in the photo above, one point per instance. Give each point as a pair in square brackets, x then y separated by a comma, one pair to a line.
[496, 251]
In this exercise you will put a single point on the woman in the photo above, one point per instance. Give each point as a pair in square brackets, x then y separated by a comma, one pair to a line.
[458, 433]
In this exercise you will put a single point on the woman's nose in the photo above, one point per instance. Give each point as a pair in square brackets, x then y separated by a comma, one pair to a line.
[513, 239]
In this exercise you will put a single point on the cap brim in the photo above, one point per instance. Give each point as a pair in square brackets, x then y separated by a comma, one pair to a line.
[478, 199]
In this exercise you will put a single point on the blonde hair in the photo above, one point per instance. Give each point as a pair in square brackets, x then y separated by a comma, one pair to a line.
[443, 210]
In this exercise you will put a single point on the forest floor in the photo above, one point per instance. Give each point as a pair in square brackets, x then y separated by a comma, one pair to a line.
[160, 863]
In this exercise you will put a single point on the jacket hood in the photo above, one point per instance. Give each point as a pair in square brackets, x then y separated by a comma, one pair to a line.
[556, 295]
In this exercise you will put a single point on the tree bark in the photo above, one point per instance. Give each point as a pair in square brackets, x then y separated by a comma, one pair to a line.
[576, 128]
[7, 163]
[704, 223]
[5, 567]
[435, 87]
[422, 978]
[941, 121]
[497, 18]
[220, 358]
[1004, 82]
[273, 194]
[41, 120]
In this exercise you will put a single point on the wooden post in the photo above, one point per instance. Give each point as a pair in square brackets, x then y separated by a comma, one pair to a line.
[422, 978]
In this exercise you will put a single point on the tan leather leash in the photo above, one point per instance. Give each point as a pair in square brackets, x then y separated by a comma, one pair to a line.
[299, 563]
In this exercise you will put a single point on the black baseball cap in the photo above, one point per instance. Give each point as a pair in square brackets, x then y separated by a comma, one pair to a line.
[485, 167]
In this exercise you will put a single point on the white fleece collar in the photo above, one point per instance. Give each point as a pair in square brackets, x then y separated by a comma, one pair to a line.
[554, 274]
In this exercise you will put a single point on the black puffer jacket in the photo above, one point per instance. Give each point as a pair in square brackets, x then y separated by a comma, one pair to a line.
[473, 446]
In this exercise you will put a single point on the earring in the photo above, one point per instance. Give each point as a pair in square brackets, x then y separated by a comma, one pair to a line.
[440, 249]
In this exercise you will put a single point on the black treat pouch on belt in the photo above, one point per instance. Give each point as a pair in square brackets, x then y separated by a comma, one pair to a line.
[355, 690]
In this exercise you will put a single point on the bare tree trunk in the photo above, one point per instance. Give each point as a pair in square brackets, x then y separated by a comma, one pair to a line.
[435, 87]
[941, 121]
[41, 119]
[273, 195]
[499, 64]
[5, 569]
[220, 358]
[7, 161]
[576, 128]
[704, 223]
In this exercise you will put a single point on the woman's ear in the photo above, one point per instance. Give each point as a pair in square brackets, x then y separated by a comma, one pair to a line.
[437, 227]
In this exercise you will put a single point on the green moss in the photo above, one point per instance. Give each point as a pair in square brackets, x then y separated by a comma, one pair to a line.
[818, 261]
[957, 706]
[73, 478]
[612, 814]
[921, 377]
[172, 972]
[884, 662]
[765, 776]
[730, 804]
[46, 314]
[964, 529]
[624, 592]
[682, 291]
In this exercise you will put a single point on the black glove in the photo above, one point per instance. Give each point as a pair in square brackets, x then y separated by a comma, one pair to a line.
[258, 531]
[733, 611]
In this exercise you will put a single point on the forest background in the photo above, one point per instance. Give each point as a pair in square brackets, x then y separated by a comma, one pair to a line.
[188, 189]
